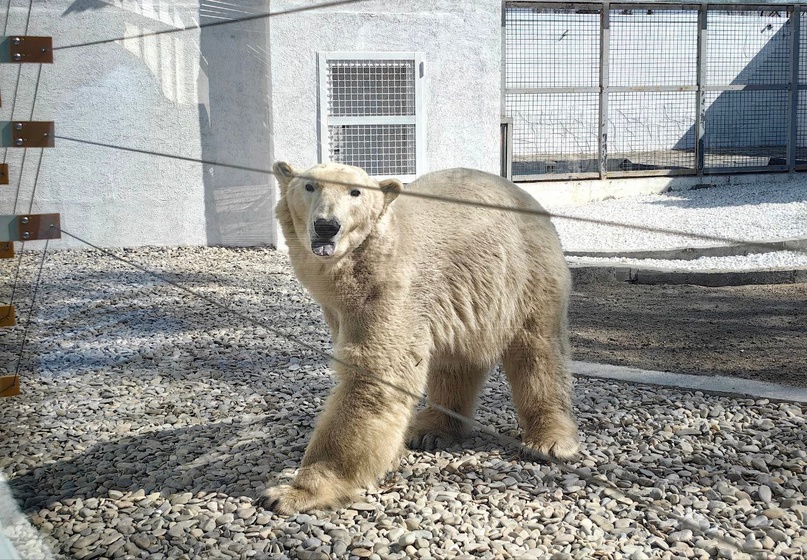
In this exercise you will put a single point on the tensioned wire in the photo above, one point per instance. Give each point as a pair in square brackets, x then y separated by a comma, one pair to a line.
[452, 200]
[253, 17]
[371, 377]
[638, 500]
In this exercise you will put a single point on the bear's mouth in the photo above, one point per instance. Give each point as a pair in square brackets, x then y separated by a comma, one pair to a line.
[323, 247]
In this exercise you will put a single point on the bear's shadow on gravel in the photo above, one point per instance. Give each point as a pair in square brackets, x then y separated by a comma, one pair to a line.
[236, 458]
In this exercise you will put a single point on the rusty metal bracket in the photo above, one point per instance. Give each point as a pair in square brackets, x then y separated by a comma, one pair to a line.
[3, 174]
[28, 134]
[30, 227]
[23, 49]
[9, 386]
[6, 250]
[8, 317]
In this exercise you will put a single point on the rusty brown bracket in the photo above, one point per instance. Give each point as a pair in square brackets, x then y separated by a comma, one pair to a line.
[9, 386]
[23, 49]
[8, 317]
[28, 134]
[6, 250]
[30, 227]
[3, 174]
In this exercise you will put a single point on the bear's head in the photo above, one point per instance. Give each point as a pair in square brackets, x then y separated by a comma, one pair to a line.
[331, 208]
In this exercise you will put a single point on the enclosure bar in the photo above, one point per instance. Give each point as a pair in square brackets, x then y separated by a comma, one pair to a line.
[700, 97]
[539, 90]
[662, 5]
[507, 148]
[634, 89]
[503, 76]
[747, 87]
[557, 176]
[652, 89]
[605, 46]
[379, 120]
[749, 169]
[793, 114]
[651, 173]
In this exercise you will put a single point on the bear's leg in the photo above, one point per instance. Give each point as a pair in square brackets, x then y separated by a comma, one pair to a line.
[455, 386]
[357, 439]
[538, 370]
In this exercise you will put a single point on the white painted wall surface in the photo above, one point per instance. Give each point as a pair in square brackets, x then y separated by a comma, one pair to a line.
[461, 47]
[197, 94]
[238, 93]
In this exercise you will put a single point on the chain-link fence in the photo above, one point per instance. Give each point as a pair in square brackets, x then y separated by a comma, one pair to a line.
[606, 90]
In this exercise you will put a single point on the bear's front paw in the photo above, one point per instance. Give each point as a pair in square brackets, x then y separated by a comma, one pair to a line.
[560, 442]
[286, 499]
[432, 429]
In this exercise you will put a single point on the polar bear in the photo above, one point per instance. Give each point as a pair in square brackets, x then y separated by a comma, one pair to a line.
[423, 294]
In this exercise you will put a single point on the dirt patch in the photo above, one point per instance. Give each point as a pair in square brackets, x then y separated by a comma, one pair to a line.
[753, 332]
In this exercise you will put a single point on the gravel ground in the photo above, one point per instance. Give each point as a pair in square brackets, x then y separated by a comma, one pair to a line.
[755, 212]
[150, 421]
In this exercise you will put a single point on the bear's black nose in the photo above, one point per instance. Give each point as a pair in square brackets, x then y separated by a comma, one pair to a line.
[326, 228]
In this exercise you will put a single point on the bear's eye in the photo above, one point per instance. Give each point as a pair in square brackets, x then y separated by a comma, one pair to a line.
[309, 187]
[355, 192]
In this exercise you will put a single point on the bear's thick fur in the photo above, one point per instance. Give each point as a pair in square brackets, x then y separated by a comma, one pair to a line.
[427, 295]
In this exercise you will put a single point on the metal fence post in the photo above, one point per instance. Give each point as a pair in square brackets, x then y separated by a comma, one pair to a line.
[605, 45]
[793, 113]
[700, 97]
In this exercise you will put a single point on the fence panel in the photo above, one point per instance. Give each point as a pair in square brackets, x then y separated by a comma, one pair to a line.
[666, 79]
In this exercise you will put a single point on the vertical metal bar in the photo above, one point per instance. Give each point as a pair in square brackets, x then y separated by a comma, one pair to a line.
[700, 98]
[506, 123]
[504, 60]
[605, 45]
[793, 113]
[322, 107]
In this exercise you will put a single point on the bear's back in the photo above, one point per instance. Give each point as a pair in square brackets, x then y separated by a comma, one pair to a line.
[477, 272]
[430, 223]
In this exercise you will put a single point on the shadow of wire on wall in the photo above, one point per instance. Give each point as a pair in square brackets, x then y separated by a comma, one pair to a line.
[234, 123]
[224, 71]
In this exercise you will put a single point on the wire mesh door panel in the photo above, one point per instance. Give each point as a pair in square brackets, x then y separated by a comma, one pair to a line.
[746, 106]
[552, 68]
[652, 89]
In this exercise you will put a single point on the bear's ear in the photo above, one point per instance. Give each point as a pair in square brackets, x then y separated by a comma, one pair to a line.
[284, 173]
[391, 189]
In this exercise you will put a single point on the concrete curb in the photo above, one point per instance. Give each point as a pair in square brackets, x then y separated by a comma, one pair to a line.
[710, 384]
[583, 274]
[604, 273]
[692, 253]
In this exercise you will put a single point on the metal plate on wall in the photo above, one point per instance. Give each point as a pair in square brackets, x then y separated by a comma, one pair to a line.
[24, 49]
[28, 134]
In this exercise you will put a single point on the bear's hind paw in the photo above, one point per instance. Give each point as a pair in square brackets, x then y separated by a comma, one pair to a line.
[430, 441]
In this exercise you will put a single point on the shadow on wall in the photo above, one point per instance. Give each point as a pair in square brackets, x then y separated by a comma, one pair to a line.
[226, 75]
[746, 127]
[234, 123]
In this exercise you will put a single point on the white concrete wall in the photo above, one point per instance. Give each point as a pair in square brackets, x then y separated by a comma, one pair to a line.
[461, 47]
[197, 94]
[237, 93]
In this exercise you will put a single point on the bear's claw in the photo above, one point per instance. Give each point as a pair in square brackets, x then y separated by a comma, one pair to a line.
[285, 499]
[430, 441]
[563, 447]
